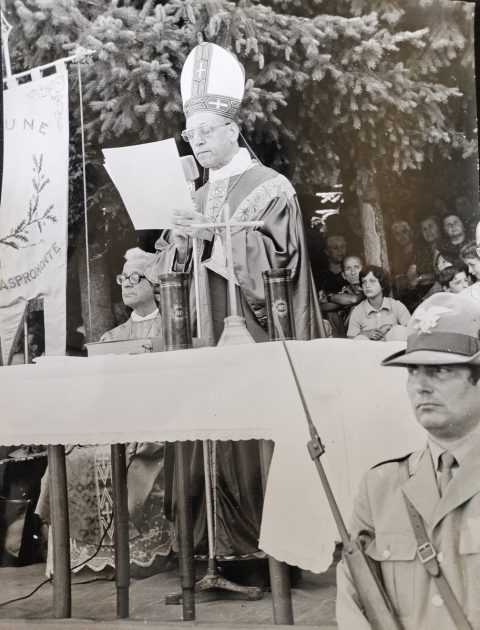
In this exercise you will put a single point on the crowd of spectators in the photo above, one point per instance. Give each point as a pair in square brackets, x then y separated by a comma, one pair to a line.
[436, 253]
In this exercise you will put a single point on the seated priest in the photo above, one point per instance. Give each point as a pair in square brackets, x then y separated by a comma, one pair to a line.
[138, 294]
[89, 472]
[240, 187]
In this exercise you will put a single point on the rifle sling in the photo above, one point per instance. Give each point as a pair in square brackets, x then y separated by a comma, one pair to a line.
[428, 557]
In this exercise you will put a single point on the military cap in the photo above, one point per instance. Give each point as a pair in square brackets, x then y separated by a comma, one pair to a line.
[444, 329]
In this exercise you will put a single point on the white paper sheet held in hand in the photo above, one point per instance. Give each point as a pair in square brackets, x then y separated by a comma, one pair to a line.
[151, 182]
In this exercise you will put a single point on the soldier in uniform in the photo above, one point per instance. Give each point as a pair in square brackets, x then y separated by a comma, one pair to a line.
[435, 491]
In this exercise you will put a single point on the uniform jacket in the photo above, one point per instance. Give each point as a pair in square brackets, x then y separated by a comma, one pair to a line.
[453, 526]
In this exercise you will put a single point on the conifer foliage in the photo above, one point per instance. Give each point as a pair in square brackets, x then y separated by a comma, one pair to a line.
[337, 91]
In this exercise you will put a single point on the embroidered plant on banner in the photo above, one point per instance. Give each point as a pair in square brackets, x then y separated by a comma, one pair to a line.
[20, 236]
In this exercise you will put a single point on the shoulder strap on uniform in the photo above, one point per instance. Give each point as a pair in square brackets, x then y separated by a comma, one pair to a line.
[428, 557]
[400, 460]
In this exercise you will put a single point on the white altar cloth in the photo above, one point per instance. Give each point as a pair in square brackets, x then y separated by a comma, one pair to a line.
[361, 411]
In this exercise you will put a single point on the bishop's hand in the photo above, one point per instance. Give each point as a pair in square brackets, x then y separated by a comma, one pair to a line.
[182, 221]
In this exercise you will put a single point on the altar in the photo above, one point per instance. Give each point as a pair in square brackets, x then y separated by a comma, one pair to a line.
[232, 393]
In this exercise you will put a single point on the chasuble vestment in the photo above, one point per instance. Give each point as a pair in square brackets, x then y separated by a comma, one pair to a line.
[253, 192]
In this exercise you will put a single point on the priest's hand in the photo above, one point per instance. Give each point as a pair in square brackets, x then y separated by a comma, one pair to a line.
[184, 219]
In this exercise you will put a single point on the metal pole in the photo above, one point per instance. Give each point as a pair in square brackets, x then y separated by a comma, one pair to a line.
[278, 299]
[85, 204]
[185, 529]
[62, 594]
[197, 287]
[208, 502]
[121, 527]
[177, 335]
[25, 336]
[213, 580]
[229, 253]
[279, 571]
[206, 443]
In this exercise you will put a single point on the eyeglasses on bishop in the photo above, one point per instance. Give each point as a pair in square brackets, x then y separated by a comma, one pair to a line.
[204, 131]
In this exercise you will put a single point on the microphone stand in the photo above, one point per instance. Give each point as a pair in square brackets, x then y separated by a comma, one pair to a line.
[214, 580]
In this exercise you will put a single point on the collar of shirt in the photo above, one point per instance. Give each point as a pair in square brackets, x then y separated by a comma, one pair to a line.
[459, 449]
[386, 306]
[240, 163]
[138, 318]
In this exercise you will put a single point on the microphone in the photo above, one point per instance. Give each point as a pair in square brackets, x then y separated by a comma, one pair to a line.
[190, 170]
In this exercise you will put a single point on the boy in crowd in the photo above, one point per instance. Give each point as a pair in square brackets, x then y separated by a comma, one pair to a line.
[378, 313]
[454, 279]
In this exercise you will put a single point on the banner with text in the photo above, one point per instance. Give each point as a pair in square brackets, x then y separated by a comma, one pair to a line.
[34, 207]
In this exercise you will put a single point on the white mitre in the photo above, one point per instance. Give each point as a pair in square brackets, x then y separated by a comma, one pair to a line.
[212, 80]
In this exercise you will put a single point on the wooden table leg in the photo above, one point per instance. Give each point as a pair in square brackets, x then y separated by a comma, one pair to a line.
[120, 511]
[62, 591]
[279, 571]
[183, 453]
[177, 335]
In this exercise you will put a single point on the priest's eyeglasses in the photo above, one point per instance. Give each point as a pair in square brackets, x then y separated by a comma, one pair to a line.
[204, 131]
[133, 278]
